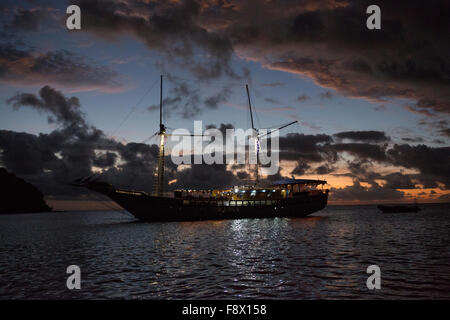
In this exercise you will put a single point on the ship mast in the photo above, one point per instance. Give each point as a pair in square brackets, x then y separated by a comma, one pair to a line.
[158, 186]
[255, 135]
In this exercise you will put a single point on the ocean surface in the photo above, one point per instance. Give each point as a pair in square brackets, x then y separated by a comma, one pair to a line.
[324, 256]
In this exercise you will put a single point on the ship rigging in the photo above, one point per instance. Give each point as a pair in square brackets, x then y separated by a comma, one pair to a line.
[158, 186]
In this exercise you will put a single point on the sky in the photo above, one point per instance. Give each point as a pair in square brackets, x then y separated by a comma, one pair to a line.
[372, 105]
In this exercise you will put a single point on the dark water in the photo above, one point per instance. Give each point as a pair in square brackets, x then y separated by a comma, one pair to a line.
[324, 256]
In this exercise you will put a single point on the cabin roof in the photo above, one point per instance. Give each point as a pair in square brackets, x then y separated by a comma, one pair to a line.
[298, 181]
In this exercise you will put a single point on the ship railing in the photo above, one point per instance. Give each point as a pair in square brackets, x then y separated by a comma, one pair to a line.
[131, 192]
[232, 203]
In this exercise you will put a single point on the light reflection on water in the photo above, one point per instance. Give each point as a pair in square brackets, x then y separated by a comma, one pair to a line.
[323, 256]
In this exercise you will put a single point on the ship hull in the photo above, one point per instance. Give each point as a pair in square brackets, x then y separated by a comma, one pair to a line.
[151, 209]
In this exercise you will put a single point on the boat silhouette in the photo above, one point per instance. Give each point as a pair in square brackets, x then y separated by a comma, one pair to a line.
[398, 208]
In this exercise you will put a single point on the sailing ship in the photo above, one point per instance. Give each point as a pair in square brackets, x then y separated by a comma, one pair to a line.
[284, 198]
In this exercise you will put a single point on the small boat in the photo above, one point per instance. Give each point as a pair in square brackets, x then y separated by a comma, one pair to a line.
[398, 208]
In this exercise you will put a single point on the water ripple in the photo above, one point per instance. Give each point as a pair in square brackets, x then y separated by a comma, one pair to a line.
[319, 257]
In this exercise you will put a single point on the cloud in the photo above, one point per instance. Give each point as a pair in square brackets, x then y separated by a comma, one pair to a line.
[326, 95]
[183, 100]
[28, 67]
[302, 98]
[324, 169]
[213, 101]
[431, 162]
[310, 148]
[445, 132]
[34, 19]
[172, 27]
[199, 176]
[324, 40]
[300, 169]
[380, 108]
[273, 84]
[423, 112]
[187, 100]
[398, 180]
[361, 193]
[105, 160]
[65, 110]
[222, 128]
[413, 140]
[362, 150]
[26, 20]
[272, 100]
[437, 126]
[408, 57]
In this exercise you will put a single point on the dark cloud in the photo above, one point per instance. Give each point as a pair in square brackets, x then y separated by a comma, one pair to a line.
[408, 57]
[32, 20]
[380, 108]
[105, 160]
[437, 126]
[65, 110]
[300, 168]
[183, 100]
[273, 84]
[361, 193]
[271, 100]
[324, 169]
[363, 136]
[171, 27]
[398, 180]
[243, 175]
[362, 150]
[413, 140]
[302, 98]
[325, 40]
[361, 169]
[26, 20]
[431, 162]
[424, 112]
[187, 101]
[61, 68]
[199, 176]
[222, 128]
[213, 102]
[445, 132]
[311, 148]
[326, 95]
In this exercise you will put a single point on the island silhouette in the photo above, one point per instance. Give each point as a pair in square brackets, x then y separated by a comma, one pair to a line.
[19, 196]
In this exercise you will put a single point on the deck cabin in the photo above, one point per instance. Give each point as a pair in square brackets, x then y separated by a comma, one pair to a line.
[283, 189]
